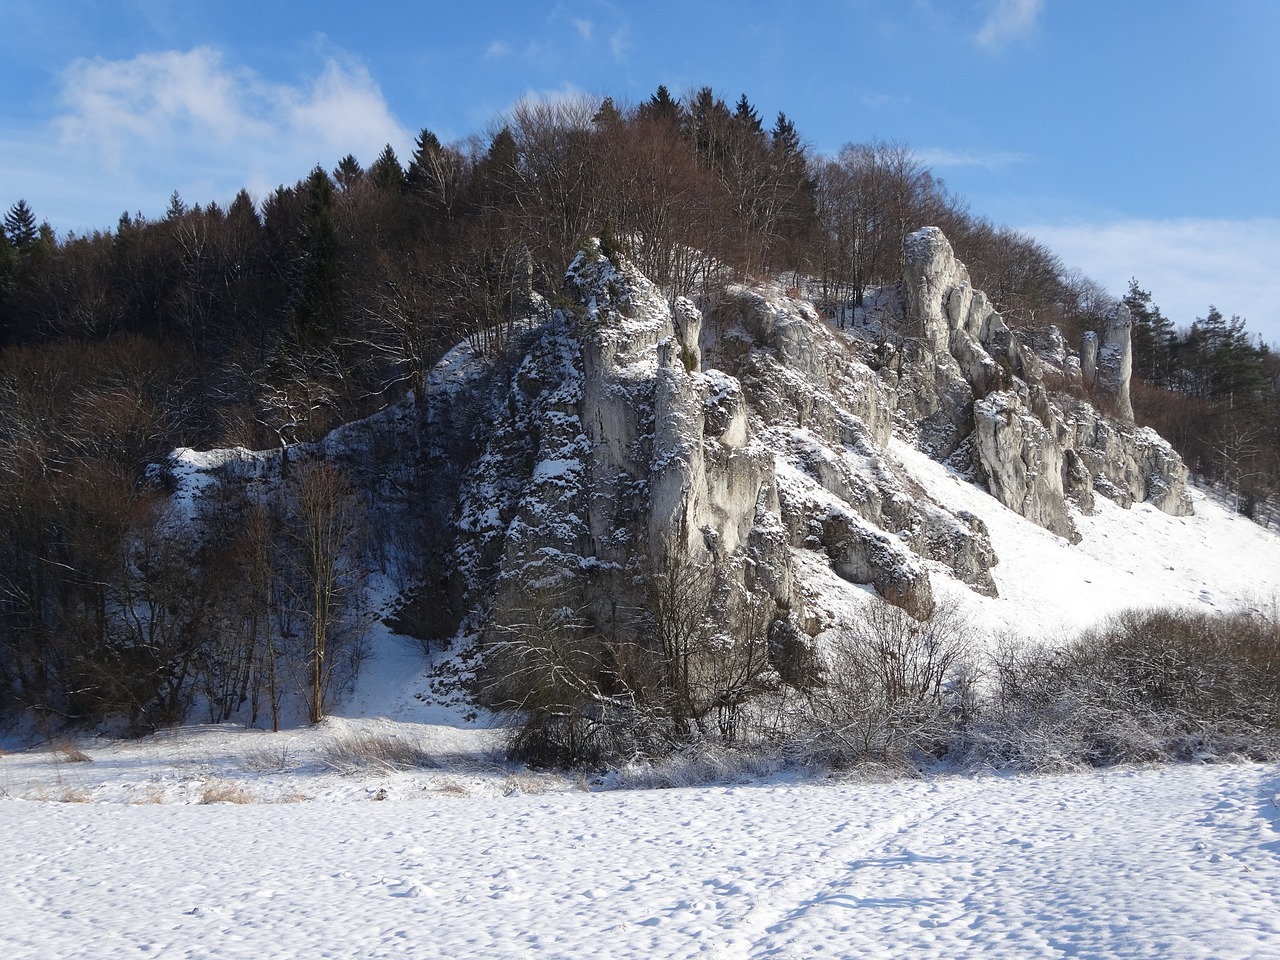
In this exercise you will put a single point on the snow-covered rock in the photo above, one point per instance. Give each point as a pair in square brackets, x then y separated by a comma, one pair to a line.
[1036, 450]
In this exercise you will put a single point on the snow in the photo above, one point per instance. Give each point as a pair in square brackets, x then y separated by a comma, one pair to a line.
[1169, 863]
[1140, 557]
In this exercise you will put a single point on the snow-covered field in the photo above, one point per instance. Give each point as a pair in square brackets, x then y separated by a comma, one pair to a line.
[1163, 863]
[225, 842]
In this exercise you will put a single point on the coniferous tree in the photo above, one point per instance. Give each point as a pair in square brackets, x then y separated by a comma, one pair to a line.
[348, 172]
[747, 116]
[20, 226]
[661, 108]
[177, 207]
[608, 117]
[386, 172]
[1152, 336]
[317, 288]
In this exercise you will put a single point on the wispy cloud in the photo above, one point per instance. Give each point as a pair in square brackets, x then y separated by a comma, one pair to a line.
[986, 159]
[620, 42]
[585, 29]
[1187, 264]
[187, 119]
[1007, 21]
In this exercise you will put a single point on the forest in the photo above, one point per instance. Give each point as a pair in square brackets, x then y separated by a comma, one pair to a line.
[265, 323]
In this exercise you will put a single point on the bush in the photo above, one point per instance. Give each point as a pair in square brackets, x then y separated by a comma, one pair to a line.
[894, 689]
[1145, 686]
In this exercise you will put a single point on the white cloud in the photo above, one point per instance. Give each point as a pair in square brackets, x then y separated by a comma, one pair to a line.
[112, 104]
[1187, 264]
[620, 42]
[133, 130]
[584, 28]
[497, 50]
[986, 159]
[1008, 20]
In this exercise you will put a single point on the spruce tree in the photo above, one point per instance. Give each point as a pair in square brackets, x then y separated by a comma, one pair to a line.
[386, 172]
[608, 117]
[317, 285]
[1152, 336]
[20, 226]
[177, 208]
[348, 172]
[426, 150]
[661, 108]
[747, 116]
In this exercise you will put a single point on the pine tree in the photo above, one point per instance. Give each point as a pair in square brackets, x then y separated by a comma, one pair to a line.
[20, 226]
[242, 209]
[608, 117]
[426, 151]
[1152, 336]
[348, 172]
[661, 108]
[707, 127]
[177, 208]
[386, 172]
[317, 286]
[747, 116]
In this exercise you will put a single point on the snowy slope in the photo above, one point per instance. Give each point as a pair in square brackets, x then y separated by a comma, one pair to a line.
[1139, 557]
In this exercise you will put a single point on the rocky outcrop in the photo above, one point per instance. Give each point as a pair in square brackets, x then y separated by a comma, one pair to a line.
[1037, 450]
[627, 432]
[744, 434]
[1114, 365]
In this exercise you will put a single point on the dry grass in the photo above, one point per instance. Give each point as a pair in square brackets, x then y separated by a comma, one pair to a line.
[221, 791]
[68, 752]
[74, 795]
[451, 788]
[370, 751]
[268, 760]
[149, 796]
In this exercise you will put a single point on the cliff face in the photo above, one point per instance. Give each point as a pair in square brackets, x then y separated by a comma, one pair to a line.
[1034, 448]
[625, 442]
[629, 435]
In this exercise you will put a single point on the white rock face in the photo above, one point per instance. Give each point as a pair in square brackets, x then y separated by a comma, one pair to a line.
[1115, 363]
[750, 435]
[1035, 450]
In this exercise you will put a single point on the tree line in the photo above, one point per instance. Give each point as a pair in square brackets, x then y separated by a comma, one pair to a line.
[267, 323]
[1213, 390]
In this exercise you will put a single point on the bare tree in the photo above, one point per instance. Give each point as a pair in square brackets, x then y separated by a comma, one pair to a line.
[326, 532]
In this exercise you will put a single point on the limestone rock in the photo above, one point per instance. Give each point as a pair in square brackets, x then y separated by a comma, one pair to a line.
[1115, 363]
[1034, 456]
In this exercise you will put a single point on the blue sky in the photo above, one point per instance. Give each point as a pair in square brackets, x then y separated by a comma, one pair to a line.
[1134, 137]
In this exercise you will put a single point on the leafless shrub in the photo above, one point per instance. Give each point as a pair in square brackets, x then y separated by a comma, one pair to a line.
[894, 688]
[1145, 686]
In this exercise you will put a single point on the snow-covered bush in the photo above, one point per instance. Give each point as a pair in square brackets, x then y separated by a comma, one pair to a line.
[894, 689]
[1146, 685]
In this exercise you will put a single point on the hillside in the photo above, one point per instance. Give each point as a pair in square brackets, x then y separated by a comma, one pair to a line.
[633, 484]
[826, 472]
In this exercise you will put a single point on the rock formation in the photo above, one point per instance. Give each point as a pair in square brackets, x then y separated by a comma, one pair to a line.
[1035, 450]
[622, 436]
